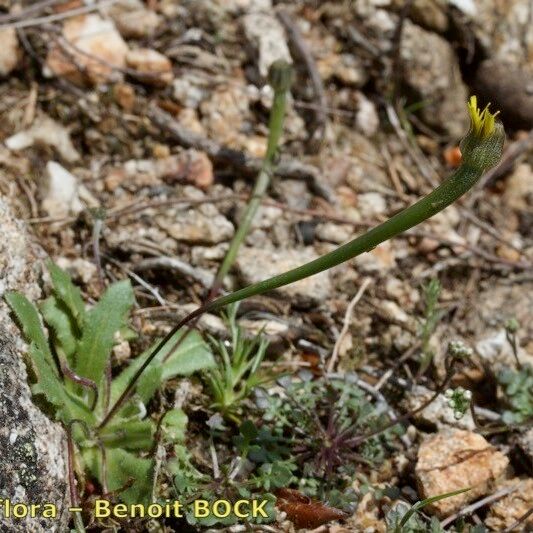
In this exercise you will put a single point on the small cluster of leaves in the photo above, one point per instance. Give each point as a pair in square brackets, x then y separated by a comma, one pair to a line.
[71, 363]
[403, 518]
[321, 420]
[237, 371]
[432, 316]
[237, 479]
[459, 400]
[518, 390]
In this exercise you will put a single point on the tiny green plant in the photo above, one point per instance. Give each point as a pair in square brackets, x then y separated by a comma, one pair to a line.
[432, 316]
[237, 371]
[71, 364]
[459, 400]
[405, 519]
[511, 330]
[231, 480]
[279, 78]
[319, 420]
[518, 391]
[481, 149]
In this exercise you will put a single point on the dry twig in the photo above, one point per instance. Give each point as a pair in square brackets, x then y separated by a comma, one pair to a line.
[301, 50]
[346, 323]
[286, 168]
[480, 503]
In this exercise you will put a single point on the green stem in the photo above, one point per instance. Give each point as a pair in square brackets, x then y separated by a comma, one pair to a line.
[279, 79]
[444, 195]
[481, 150]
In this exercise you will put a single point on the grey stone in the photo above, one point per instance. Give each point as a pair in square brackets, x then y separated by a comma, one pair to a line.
[257, 264]
[33, 466]
[331, 232]
[453, 459]
[505, 31]
[430, 68]
[266, 35]
[9, 52]
[133, 20]
[196, 226]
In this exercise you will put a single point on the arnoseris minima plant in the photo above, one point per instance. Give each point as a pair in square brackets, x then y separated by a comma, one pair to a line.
[481, 149]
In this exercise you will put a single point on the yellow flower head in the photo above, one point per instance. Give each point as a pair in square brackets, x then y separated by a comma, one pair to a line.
[482, 121]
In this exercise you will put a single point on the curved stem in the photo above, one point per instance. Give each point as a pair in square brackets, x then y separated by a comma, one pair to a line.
[444, 195]
[482, 149]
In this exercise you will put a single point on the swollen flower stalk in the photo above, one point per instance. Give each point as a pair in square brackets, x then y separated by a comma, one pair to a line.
[481, 149]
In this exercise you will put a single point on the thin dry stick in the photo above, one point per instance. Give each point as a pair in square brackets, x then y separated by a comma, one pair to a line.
[138, 206]
[480, 503]
[285, 168]
[423, 166]
[301, 49]
[521, 520]
[386, 376]
[151, 289]
[487, 228]
[470, 247]
[38, 6]
[58, 16]
[205, 277]
[393, 173]
[346, 324]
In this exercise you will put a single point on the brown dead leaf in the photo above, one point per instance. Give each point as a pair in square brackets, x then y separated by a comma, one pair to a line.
[304, 512]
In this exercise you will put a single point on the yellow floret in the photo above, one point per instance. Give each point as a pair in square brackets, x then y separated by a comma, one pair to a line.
[482, 121]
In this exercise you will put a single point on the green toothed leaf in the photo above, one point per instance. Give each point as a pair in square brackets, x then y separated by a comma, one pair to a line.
[101, 323]
[28, 319]
[60, 321]
[67, 292]
[48, 383]
[129, 475]
[191, 355]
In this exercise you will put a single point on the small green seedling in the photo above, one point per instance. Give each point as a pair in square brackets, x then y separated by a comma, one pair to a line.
[432, 316]
[237, 371]
[459, 400]
[71, 363]
[404, 519]
[511, 329]
[518, 390]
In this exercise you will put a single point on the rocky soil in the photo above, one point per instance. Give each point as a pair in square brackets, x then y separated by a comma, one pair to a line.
[151, 118]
